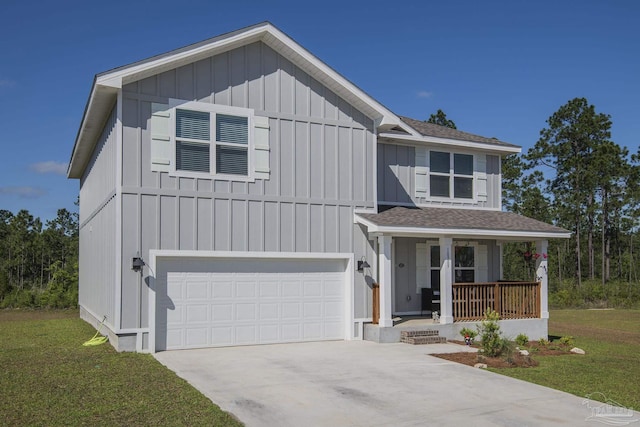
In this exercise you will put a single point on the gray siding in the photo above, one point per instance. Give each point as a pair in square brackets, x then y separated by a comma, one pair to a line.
[99, 180]
[98, 228]
[321, 162]
[396, 178]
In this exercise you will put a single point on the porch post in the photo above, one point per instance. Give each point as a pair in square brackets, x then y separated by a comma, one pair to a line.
[543, 277]
[384, 280]
[446, 274]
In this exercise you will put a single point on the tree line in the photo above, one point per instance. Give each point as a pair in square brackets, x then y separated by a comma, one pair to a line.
[576, 177]
[38, 262]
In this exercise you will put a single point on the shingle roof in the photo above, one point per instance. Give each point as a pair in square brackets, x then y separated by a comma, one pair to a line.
[431, 129]
[467, 219]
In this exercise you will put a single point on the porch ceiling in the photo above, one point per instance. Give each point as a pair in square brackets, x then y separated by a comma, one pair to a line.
[427, 222]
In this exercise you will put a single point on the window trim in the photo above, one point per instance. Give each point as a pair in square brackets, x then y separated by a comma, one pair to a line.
[213, 110]
[452, 176]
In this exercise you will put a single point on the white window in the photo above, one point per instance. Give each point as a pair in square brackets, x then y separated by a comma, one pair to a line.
[450, 175]
[212, 142]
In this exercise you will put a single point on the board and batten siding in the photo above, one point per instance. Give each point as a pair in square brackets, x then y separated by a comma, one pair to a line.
[397, 178]
[97, 266]
[320, 161]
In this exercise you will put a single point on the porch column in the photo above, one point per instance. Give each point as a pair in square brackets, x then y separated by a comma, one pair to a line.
[446, 275]
[384, 280]
[543, 277]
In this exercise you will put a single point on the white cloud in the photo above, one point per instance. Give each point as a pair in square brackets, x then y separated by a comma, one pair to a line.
[424, 94]
[57, 168]
[23, 192]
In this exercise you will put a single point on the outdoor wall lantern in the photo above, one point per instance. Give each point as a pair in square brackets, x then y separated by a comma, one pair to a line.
[136, 264]
[362, 264]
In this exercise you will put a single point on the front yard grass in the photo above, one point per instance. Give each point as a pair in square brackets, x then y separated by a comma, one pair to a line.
[48, 378]
[611, 339]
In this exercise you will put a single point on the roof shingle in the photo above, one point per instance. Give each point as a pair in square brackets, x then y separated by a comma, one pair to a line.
[451, 218]
[438, 131]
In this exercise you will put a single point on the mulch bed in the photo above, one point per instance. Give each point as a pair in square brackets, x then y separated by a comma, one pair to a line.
[515, 361]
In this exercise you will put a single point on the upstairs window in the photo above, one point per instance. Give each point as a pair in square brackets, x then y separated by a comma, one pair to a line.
[451, 174]
[223, 151]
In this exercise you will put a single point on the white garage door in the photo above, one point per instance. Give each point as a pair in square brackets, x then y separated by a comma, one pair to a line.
[261, 302]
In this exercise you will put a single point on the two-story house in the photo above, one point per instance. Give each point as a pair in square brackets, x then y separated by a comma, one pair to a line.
[240, 191]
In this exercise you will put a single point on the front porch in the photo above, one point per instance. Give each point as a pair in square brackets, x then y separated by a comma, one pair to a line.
[518, 304]
[452, 260]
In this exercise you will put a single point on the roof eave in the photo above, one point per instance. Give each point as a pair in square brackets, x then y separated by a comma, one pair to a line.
[375, 229]
[96, 113]
[496, 148]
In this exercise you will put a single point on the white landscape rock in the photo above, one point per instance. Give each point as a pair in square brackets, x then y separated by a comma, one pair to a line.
[480, 365]
[577, 350]
[524, 352]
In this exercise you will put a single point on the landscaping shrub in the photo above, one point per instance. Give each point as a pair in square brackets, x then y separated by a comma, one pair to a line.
[489, 330]
[522, 339]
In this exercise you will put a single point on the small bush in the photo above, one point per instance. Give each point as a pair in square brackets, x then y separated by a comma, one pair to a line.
[489, 331]
[468, 332]
[543, 342]
[522, 339]
[567, 340]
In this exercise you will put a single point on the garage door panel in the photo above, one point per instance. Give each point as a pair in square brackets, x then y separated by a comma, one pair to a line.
[222, 288]
[197, 313]
[222, 312]
[291, 289]
[291, 332]
[269, 305]
[246, 334]
[270, 311]
[197, 289]
[222, 336]
[291, 310]
[196, 337]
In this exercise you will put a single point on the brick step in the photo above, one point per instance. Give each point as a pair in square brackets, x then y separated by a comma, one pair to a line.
[423, 340]
[420, 333]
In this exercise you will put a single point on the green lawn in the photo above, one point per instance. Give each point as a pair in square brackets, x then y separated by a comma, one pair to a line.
[611, 366]
[48, 378]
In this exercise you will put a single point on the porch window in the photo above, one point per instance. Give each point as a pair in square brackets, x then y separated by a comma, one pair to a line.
[464, 264]
[434, 268]
[450, 174]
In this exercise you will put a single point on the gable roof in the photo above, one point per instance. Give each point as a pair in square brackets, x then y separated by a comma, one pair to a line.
[458, 222]
[106, 85]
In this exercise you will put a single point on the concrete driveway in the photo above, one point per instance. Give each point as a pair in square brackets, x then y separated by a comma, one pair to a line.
[360, 383]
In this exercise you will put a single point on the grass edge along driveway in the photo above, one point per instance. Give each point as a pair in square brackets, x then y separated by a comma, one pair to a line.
[609, 370]
[49, 378]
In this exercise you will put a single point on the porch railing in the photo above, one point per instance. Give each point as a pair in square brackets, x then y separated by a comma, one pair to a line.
[512, 300]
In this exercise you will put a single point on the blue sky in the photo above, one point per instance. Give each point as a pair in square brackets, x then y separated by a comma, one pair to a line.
[497, 68]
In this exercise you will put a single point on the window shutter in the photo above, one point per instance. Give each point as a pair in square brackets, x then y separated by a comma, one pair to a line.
[161, 152]
[421, 173]
[481, 178]
[482, 267]
[261, 147]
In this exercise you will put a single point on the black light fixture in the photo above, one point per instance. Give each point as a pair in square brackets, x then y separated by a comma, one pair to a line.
[137, 263]
[362, 264]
